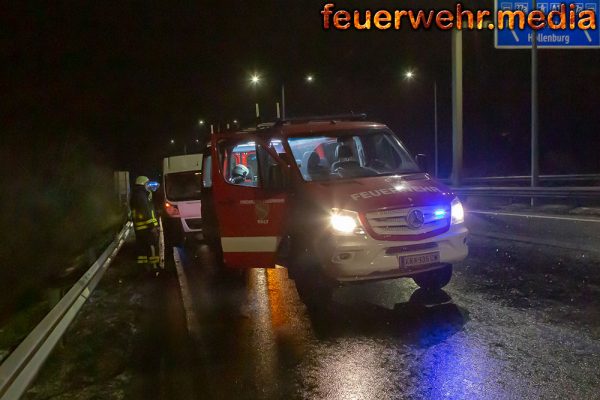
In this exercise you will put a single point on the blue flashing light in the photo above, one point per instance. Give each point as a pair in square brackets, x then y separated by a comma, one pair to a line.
[440, 213]
[153, 185]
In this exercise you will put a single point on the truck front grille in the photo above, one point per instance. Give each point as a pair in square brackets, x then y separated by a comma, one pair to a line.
[395, 221]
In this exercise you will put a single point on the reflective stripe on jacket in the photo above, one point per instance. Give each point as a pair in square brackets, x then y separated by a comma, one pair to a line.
[139, 224]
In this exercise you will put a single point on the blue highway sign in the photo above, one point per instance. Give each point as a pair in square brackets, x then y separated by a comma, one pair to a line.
[546, 37]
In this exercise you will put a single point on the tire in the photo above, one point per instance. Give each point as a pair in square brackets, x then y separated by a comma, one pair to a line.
[314, 288]
[210, 230]
[216, 264]
[434, 280]
[214, 243]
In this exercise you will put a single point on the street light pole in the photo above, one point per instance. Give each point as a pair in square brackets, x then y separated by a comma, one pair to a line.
[282, 101]
[200, 129]
[435, 128]
[408, 75]
[255, 80]
[534, 111]
[457, 107]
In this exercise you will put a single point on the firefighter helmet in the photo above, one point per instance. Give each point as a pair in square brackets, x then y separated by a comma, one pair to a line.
[239, 173]
[141, 180]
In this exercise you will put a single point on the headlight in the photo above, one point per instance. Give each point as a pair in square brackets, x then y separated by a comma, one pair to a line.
[344, 221]
[457, 212]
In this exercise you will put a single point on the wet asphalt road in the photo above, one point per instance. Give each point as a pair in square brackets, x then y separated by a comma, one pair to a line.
[518, 321]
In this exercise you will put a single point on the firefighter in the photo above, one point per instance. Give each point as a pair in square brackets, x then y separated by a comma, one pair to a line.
[145, 224]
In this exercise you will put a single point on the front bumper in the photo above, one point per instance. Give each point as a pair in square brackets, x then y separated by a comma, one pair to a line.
[361, 258]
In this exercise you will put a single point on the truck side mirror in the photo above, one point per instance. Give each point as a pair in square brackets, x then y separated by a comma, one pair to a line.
[421, 160]
[277, 179]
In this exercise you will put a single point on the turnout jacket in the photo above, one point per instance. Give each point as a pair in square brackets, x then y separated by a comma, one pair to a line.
[142, 209]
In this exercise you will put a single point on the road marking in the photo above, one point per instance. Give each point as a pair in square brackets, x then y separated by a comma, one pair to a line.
[556, 217]
[193, 326]
[161, 244]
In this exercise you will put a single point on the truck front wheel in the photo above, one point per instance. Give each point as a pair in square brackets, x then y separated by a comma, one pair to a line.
[434, 280]
[314, 289]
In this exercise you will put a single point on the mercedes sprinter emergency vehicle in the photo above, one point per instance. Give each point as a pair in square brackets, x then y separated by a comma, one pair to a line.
[335, 199]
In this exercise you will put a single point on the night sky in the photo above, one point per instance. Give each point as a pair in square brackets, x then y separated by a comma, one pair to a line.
[129, 76]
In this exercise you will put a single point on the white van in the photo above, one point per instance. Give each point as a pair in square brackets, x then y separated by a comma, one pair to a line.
[182, 190]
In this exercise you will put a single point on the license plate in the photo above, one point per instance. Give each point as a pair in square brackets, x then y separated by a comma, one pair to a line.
[419, 259]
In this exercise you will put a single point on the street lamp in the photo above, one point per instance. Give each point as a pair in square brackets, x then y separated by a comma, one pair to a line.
[255, 79]
[200, 129]
[172, 141]
[409, 75]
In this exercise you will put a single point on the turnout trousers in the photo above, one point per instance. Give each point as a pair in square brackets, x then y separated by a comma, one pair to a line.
[147, 247]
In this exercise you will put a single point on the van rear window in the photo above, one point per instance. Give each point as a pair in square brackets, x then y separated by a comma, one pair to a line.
[183, 186]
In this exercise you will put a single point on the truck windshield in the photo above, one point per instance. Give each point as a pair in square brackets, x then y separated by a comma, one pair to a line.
[183, 186]
[344, 155]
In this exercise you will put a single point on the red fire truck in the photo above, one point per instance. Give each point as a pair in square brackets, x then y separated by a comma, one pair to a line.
[335, 199]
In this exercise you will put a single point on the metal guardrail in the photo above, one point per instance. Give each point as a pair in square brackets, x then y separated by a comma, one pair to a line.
[526, 179]
[577, 192]
[19, 370]
[533, 215]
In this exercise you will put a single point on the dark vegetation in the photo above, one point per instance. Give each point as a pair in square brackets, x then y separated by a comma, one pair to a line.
[59, 202]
